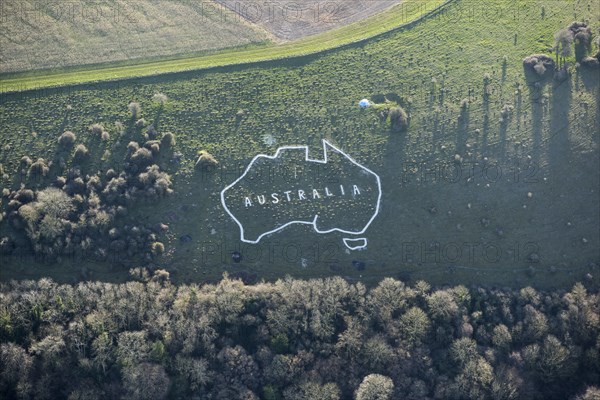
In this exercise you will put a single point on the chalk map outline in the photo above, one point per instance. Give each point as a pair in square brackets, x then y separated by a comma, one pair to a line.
[326, 145]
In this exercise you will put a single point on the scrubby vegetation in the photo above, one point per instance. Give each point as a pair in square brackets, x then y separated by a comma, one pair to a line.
[317, 339]
[82, 213]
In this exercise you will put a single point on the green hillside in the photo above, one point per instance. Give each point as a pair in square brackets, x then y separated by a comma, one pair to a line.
[527, 152]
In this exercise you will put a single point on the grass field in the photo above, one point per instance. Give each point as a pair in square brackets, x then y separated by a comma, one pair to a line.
[38, 35]
[402, 14]
[528, 212]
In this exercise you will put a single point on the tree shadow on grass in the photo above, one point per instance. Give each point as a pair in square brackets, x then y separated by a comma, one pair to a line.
[559, 151]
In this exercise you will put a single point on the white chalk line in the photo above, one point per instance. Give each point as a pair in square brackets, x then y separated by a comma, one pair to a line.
[326, 144]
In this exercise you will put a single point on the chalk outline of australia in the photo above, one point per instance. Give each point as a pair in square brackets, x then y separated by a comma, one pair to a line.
[326, 145]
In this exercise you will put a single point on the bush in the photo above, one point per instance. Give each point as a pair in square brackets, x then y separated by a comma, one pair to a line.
[160, 98]
[135, 109]
[157, 248]
[398, 119]
[153, 146]
[142, 157]
[97, 129]
[563, 41]
[140, 123]
[39, 168]
[206, 159]
[168, 140]
[539, 63]
[54, 202]
[132, 147]
[26, 162]
[24, 195]
[67, 139]
[81, 153]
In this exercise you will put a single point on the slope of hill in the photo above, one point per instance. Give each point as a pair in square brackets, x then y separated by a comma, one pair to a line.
[494, 164]
[289, 20]
[44, 35]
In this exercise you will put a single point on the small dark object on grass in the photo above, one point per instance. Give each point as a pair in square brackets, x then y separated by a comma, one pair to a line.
[185, 239]
[359, 265]
[236, 256]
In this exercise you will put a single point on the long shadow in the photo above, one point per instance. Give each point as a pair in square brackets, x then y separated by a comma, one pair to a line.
[502, 133]
[462, 131]
[558, 142]
[486, 125]
[590, 78]
[537, 114]
[536, 85]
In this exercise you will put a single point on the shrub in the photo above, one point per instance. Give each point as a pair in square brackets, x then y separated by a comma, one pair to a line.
[96, 129]
[398, 119]
[132, 147]
[26, 161]
[539, 61]
[151, 133]
[140, 123]
[81, 153]
[157, 248]
[67, 139]
[54, 202]
[563, 40]
[24, 195]
[29, 214]
[39, 168]
[168, 140]
[142, 157]
[135, 109]
[206, 159]
[153, 146]
[50, 227]
[160, 98]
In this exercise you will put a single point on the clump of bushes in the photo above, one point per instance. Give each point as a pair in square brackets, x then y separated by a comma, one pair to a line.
[539, 63]
[75, 213]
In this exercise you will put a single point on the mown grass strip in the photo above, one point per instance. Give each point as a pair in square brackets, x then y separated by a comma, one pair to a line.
[399, 16]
